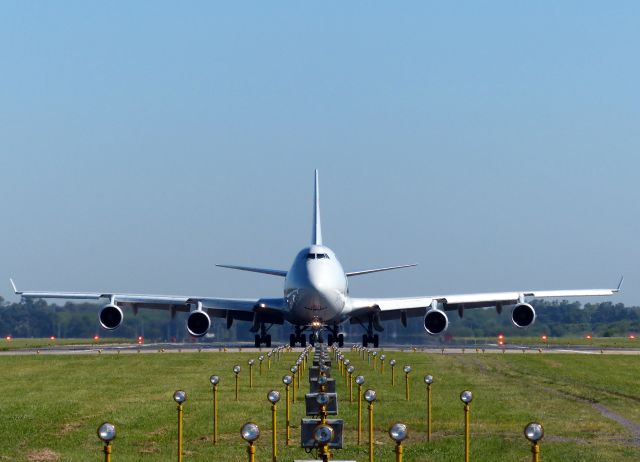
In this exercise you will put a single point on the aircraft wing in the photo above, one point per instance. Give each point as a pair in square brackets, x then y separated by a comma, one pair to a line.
[270, 309]
[395, 308]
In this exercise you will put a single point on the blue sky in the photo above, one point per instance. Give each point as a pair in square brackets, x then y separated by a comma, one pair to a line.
[495, 144]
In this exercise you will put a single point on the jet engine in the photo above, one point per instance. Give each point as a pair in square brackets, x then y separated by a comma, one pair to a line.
[435, 321]
[198, 323]
[523, 315]
[111, 316]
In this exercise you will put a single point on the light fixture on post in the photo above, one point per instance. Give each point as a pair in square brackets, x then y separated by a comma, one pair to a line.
[370, 397]
[392, 363]
[107, 433]
[214, 379]
[428, 379]
[250, 363]
[236, 371]
[359, 382]
[273, 396]
[382, 358]
[466, 397]
[180, 397]
[534, 432]
[250, 433]
[287, 382]
[407, 370]
[398, 433]
[350, 371]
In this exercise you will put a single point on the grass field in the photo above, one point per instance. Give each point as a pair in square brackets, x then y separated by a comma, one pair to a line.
[52, 404]
[44, 343]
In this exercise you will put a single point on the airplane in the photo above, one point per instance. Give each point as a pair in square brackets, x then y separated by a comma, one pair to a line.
[316, 298]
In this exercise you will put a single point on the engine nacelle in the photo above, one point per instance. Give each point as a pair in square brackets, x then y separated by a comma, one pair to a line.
[435, 322]
[111, 316]
[523, 315]
[198, 323]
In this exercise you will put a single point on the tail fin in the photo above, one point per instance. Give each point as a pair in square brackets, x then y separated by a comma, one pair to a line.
[316, 236]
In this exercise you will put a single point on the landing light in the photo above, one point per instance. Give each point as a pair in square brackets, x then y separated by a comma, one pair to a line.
[52, 337]
[632, 337]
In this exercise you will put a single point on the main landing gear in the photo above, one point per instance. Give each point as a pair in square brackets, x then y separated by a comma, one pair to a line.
[298, 338]
[263, 338]
[368, 338]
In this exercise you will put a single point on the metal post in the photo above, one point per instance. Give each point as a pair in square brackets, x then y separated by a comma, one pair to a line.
[288, 416]
[107, 452]
[294, 387]
[237, 386]
[399, 451]
[274, 441]
[393, 375]
[351, 388]
[467, 410]
[371, 432]
[535, 451]
[215, 413]
[406, 386]
[180, 411]
[250, 375]
[359, 413]
[251, 450]
[429, 412]
[382, 366]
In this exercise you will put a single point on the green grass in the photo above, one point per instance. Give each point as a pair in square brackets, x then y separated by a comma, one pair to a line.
[595, 342]
[56, 402]
[26, 343]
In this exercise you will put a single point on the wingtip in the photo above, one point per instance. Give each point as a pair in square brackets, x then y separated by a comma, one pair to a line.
[620, 284]
[13, 284]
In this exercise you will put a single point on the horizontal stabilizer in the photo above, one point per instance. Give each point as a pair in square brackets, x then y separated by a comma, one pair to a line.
[377, 270]
[273, 272]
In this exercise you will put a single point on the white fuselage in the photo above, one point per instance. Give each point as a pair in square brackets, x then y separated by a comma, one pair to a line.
[316, 287]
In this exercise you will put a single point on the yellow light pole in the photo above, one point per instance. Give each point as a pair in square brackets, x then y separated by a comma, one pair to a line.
[107, 433]
[236, 371]
[180, 397]
[375, 356]
[382, 358]
[407, 370]
[369, 357]
[287, 381]
[250, 433]
[398, 432]
[250, 363]
[360, 382]
[214, 379]
[294, 369]
[274, 396]
[260, 359]
[269, 360]
[392, 363]
[534, 432]
[350, 370]
[466, 397]
[346, 373]
[428, 379]
[370, 397]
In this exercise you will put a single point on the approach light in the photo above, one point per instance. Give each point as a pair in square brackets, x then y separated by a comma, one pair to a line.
[407, 369]
[250, 432]
[250, 362]
[359, 380]
[370, 396]
[52, 337]
[534, 432]
[323, 434]
[287, 380]
[322, 380]
[107, 432]
[466, 397]
[392, 362]
[8, 337]
[350, 369]
[544, 338]
[179, 396]
[347, 362]
[214, 379]
[322, 399]
[428, 379]
[632, 337]
[294, 369]
[273, 396]
[382, 357]
[398, 432]
[96, 338]
[261, 358]
[588, 337]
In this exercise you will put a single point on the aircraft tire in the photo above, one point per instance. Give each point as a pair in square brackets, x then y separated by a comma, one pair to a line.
[257, 341]
[267, 341]
[341, 340]
[303, 340]
[365, 340]
[292, 340]
[330, 340]
[375, 341]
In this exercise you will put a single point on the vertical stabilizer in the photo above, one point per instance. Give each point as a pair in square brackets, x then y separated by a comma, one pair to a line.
[316, 237]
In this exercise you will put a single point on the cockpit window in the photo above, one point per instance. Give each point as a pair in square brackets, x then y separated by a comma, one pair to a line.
[313, 256]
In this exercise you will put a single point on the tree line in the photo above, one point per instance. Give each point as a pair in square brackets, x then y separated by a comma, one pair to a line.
[37, 319]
